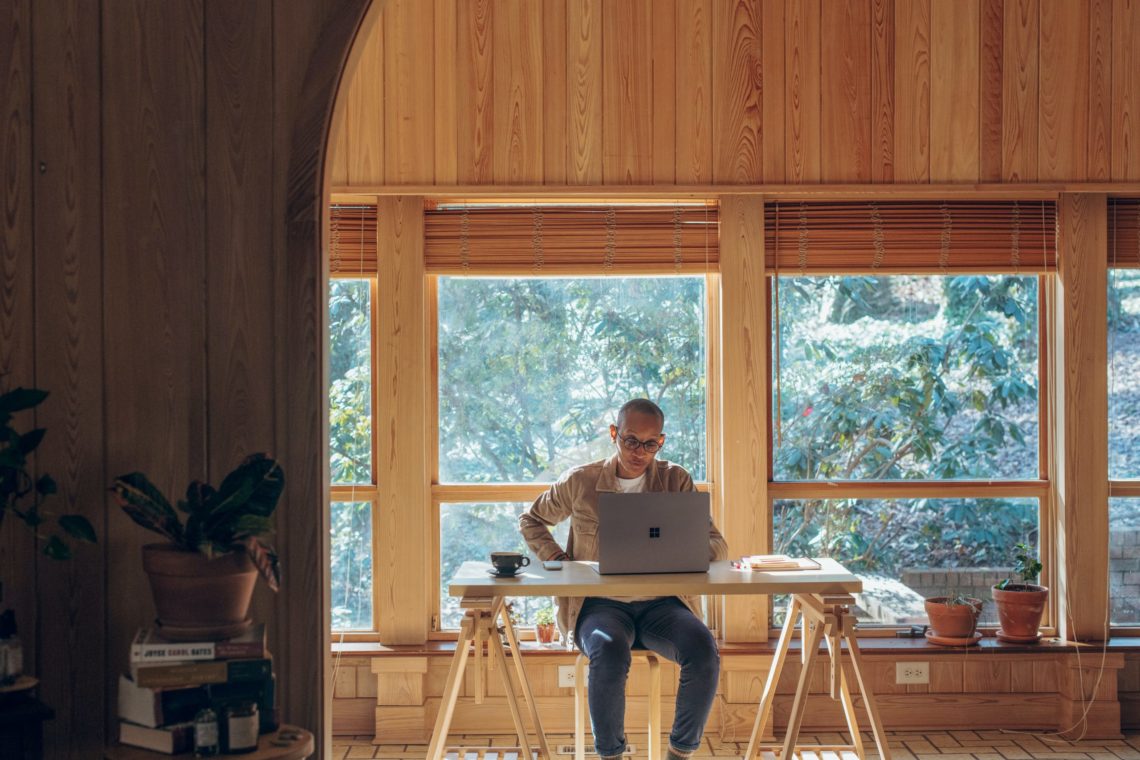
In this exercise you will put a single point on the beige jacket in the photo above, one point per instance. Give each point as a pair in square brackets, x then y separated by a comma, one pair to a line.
[575, 496]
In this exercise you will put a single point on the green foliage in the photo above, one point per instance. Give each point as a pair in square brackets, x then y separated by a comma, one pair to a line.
[232, 517]
[21, 494]
[544, 615]
[350, 383]
[351, 566]
[1025, 565]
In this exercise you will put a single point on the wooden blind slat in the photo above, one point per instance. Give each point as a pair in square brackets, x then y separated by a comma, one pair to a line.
[1124, 233]
[352, 240]
[561, 239]
[900, 236]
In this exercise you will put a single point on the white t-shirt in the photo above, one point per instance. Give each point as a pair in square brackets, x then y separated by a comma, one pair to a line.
[632, 485]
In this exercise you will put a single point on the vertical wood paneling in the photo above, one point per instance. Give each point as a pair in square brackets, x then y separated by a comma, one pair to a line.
[239, 239]
[518, 92]
[364, 117]
[773, 96]
[68, 319]
[627, 92]
[1064, 124]
[401, 417]
[802, 91]
[18, 553]
[338, 152]
[845, 72]
[663, 105]
[993, 21]
[555, 118]
[584, 90]
[446, 82]
[882, 91]
[693, 149]
[475, 112]
[154, 270]
[912, 90]
[738, 92]
[1020, 80]
[1100, 90]
[409, 76]
[955, 92]
[1126, 90]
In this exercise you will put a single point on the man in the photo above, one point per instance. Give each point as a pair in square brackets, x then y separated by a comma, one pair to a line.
[606, 629]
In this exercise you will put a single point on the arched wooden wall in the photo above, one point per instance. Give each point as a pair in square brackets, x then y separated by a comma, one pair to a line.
[510, 92]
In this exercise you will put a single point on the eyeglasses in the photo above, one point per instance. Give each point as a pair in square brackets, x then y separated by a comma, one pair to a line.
[629, 443]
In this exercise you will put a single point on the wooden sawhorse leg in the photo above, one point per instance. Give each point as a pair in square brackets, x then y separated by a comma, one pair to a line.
[826, 618]
[479, 625]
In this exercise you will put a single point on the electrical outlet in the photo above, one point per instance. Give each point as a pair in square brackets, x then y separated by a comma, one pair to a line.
[567, 675]
[912, 672]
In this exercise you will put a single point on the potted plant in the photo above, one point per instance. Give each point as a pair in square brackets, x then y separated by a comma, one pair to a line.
[953, 619]
[1020, 605]
[544, 625]
[202, 577]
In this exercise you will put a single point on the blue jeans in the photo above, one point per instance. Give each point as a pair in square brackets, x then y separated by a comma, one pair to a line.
[607, 630]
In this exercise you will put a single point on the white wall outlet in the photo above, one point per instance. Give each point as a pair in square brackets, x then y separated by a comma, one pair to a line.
[912, 672]
[566, 676]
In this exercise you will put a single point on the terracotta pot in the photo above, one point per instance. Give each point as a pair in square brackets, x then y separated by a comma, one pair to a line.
[198, 598]
[952, 621]
[544, 632]
[1020, 607]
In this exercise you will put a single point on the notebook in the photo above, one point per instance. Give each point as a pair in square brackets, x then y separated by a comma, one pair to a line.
[654, 532]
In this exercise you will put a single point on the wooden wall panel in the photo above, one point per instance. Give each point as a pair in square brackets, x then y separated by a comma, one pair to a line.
[845, 73]
[912, 90]
[446, 91]
[773, 81]
[802, 91]
[882, 90]
[990, 111]
[955, 95]
[1100, 91]
[584, 91]
[475, 92]
[154, 268]
[555, 121]
[69, 363]
[693, 149]
[738, 92]
[18, 551]
[1064, 114]
[409, 76]
[1020, 79]
[518, 99]
[364, 115]
[663, 105]
[1126, 90]
[627, 92]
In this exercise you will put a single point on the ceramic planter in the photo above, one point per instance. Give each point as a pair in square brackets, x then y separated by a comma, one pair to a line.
[1020, 607]
[544, 633]
[198, 598]
[953, 621]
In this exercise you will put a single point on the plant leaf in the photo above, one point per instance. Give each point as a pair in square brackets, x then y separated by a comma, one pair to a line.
[266, 560]
[30, 440]
[77, 526]
[146, 505]
[45, 486]
[247, 526]
[265, 479]
[198, 495]
[57, 549]
[18, 399]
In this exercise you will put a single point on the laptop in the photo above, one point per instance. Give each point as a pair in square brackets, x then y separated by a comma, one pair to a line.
[655, 532]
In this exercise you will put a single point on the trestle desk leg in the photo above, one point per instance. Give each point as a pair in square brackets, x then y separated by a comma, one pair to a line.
[768, 696]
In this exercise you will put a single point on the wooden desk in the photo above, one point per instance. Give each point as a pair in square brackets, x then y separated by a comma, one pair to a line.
[821, 598]
[296, 749]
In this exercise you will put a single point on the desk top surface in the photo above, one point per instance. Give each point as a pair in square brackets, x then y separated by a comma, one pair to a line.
[580, 579]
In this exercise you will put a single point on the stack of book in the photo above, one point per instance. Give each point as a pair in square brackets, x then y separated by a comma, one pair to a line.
[170, 681]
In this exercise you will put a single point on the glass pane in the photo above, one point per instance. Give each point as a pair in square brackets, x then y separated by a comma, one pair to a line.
[472, 532]
[906, 377]
[1124, 560]
[906, 550]
[1123, 373]
[351, 566]
[350, 381]
[533, 371]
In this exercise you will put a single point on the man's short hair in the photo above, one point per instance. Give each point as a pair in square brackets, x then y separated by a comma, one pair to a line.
[641, 406]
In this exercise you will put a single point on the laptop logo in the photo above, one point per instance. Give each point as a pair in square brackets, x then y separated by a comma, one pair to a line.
[655, 533]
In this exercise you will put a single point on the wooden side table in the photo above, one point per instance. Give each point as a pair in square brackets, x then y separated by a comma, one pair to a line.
[267, 748]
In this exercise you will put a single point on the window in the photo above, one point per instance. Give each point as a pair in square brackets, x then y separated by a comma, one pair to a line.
[530, 373]
[901, 393]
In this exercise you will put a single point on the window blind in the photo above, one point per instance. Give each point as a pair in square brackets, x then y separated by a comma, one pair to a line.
[352, 239]
[531, 240]
[903, 236]
[1124, 233]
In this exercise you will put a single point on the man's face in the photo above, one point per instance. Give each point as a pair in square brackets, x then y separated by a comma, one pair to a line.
[639, 427]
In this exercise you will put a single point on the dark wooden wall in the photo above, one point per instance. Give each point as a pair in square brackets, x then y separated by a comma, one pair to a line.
[146, 282]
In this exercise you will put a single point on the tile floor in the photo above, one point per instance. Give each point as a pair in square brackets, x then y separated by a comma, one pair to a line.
[913, 745]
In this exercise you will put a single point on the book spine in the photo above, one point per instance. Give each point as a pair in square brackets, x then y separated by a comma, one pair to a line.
[141, 653]
[198, 673]
[230, 650]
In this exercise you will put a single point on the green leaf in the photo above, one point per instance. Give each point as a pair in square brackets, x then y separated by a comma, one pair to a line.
[252, 488]
[30, 440]
[57, 549]
[198, 496]
[19, 399]
[45, 486]
[146, 505]
[77, 526]
[266, 561]
[251, 525]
